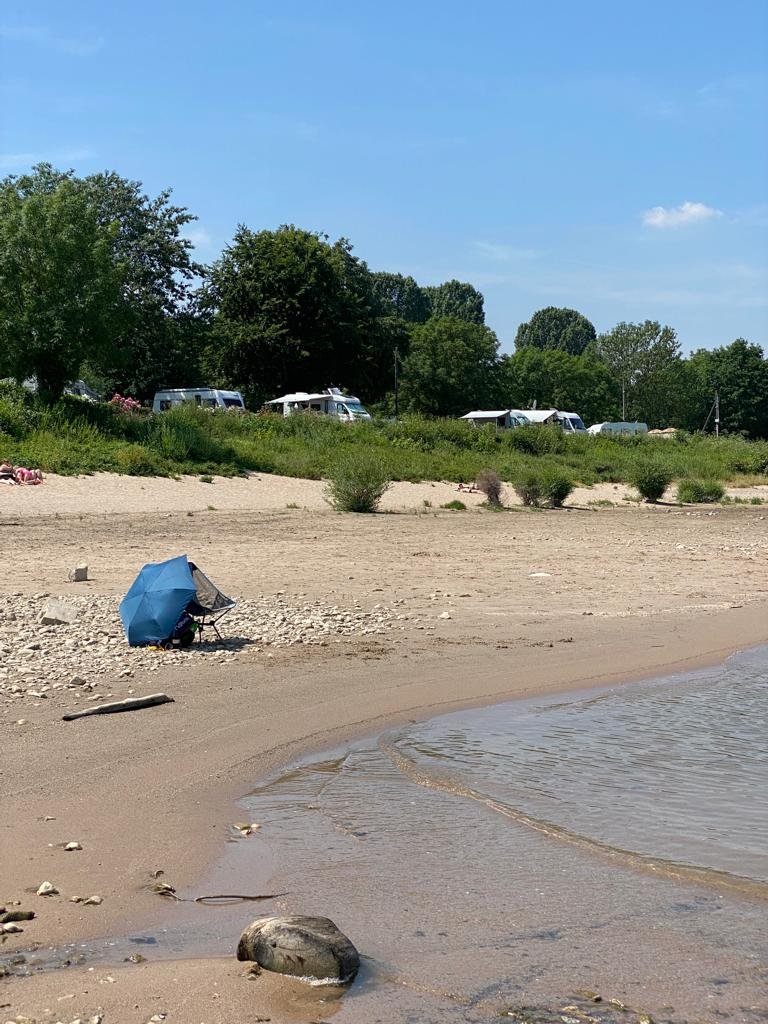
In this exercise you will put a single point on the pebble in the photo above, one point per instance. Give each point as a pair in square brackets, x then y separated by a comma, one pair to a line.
[73, 846]
[93, 901]
[47, 889]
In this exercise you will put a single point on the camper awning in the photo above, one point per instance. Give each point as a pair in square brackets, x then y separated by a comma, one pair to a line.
[481, 414]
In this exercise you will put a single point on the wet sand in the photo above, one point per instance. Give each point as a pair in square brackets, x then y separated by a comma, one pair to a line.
[629, 593]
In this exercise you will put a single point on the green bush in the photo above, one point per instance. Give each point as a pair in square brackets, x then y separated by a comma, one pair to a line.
[357, 483]
[700, 492]
[545, 485]
[557, 486]
[529, 488]
[455, 505]
[651, 478]
[137, 461]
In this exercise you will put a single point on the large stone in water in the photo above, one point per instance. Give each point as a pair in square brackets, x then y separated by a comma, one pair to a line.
[308, 947]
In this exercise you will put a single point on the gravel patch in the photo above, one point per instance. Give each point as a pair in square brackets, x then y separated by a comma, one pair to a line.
[91, 654]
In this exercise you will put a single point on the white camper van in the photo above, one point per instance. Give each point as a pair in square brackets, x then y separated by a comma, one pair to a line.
[569, 421]
[502, 419]
[331, 402]
[204, 398]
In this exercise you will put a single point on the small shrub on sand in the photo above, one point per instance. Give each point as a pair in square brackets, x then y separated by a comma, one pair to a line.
[357, 483]
[537, 487]
[529, 488]
[700, 492]
[651, 479]
[489, 482]
[455, 505]
[557, 487]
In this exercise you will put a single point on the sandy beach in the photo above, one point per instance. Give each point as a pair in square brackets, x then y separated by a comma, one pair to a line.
[484, 606]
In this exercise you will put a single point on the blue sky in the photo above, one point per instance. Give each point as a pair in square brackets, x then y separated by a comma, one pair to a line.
[612, 157]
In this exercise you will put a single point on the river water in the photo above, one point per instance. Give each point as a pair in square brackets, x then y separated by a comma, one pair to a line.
[613, 842]
[518, 861]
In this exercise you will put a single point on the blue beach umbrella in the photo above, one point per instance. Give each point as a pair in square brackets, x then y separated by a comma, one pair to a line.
[158, 596]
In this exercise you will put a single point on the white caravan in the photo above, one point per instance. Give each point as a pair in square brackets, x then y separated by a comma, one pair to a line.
[203, 398]
[331, 402]
[623, 429]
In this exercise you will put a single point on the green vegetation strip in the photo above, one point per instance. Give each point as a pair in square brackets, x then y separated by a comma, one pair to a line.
[74, 437]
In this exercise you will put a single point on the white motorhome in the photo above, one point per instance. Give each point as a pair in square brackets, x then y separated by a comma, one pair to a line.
[623, 429]
[203, 398]
[331, 402]
[569, 421]
[503, 419]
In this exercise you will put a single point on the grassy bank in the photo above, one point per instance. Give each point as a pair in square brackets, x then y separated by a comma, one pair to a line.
[78, 437]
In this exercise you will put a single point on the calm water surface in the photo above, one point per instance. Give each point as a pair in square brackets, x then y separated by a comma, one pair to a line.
[612, 841]
[519, 855]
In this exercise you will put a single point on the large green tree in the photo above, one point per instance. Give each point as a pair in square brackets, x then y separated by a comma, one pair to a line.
[157, 346]
[739, 374]
[290, 311]
[456, 299]
[644, 359]
[400, 297]
[62, 280]
[555, 379]
[556, 328]
[146, 345]
[451, 367]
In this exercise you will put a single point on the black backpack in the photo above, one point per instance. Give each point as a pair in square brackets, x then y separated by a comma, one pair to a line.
[183, 632]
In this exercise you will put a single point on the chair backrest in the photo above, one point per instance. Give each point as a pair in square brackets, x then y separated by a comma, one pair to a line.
[208, 597]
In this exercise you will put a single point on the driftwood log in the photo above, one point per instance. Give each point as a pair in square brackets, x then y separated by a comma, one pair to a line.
[130, 704]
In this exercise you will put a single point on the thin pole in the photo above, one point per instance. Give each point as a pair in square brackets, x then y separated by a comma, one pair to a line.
[397, 403]
[623, 401]
[717, 413]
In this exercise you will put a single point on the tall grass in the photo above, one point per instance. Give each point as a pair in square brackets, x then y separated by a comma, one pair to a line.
[79, 437]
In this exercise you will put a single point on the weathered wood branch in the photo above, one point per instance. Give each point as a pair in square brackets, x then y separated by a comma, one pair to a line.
[129, 704]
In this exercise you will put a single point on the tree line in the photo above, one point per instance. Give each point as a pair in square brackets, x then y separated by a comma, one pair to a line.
[97, 280]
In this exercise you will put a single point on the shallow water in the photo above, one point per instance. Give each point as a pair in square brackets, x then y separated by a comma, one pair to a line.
[669, 770]
[612, 842]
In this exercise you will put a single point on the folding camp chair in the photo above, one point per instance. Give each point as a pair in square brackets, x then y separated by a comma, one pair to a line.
[209, 604]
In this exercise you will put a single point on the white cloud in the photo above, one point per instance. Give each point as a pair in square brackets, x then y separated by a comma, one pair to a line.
[678, 216]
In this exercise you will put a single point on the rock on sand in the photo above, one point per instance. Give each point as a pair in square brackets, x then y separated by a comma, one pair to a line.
[309, 947]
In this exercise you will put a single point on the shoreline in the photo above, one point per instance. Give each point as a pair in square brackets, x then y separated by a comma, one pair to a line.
[206, 976]
[497, 608]
[217, 804]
